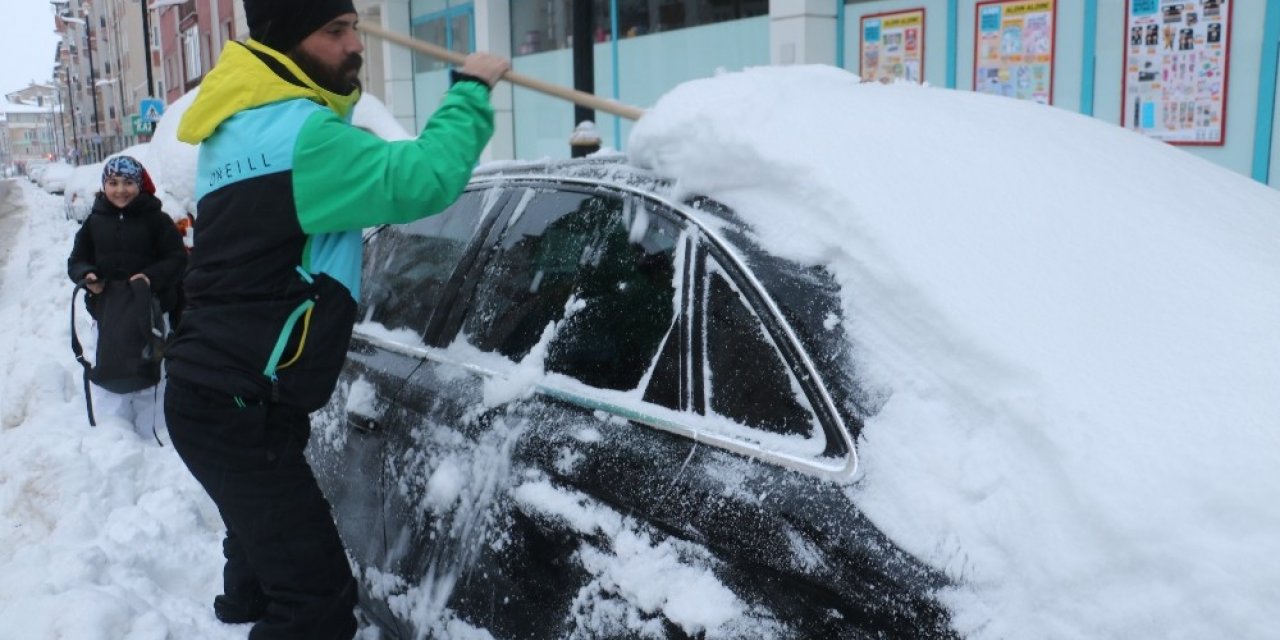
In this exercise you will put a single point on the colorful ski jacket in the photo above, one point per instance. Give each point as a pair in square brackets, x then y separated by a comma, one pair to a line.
[284, 184]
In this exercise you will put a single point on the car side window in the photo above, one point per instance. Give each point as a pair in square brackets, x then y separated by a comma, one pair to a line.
[601, 270]
[748, 380]
[407, 266]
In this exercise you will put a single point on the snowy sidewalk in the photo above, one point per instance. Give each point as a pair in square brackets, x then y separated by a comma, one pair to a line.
[103, 535]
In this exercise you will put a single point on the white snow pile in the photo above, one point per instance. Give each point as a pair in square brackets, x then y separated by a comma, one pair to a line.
[1078, 327]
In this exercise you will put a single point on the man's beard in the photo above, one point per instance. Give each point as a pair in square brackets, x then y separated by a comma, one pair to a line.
[341, 80]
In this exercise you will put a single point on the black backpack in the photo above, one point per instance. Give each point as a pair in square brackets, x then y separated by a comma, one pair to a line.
[131, 339]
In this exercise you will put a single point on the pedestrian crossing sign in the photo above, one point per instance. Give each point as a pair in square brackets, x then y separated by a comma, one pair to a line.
[151, 109]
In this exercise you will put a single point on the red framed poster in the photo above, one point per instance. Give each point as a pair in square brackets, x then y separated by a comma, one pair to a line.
[1176, 68]
[1013, 48]
[892, 46]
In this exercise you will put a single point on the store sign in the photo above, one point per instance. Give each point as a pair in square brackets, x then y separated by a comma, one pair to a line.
[1175, 70]
[893, 46]
[1013, 49]
[141, 127]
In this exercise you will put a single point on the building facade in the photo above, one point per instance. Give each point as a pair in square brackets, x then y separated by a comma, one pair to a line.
[190, 36]
[1199, 74]
[100, 72]
[112, 61]
[31, 126]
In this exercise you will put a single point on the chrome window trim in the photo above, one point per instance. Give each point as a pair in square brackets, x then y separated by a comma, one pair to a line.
[838, 470]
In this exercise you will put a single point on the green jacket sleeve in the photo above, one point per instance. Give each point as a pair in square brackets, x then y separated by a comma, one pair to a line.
[346, 178]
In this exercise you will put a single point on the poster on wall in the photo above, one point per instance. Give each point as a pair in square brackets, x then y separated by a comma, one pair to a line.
[893, 46]
[1176, 60]
[1013, 49]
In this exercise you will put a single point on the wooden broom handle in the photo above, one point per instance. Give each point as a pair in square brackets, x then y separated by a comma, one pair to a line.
[572, 95]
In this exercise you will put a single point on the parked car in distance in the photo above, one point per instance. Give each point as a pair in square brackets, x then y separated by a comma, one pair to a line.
[53, 177]
[34, 168]
[84, 183]
[695, 402]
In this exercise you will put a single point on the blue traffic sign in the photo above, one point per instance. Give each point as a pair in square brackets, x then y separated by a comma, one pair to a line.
[151, 109]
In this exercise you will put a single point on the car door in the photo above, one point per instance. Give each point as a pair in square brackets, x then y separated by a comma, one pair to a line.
[583, 288]
[717, 470]
[769, 494]
[407, 270]
[613, 436]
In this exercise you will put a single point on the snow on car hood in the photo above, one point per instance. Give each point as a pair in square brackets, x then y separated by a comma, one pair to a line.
[1076, 327]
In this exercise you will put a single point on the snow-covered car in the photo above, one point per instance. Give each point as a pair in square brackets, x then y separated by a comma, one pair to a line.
[679, 400]
[53, 178]
[84, 183]
[889, 361]
[35, 168]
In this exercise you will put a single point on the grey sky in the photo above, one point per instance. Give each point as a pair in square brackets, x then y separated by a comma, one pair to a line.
[27, 43]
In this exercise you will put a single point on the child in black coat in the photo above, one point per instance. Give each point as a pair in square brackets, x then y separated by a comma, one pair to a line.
[128, 237]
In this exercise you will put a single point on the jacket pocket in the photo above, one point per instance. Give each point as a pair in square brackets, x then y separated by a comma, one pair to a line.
[310, 347]
[288, 350]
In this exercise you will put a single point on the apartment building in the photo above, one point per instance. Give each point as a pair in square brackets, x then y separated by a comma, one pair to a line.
[31, 126]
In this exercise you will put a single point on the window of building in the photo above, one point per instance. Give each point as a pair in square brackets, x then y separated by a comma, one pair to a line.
[451, 27]
[545, 25]
[191, 53]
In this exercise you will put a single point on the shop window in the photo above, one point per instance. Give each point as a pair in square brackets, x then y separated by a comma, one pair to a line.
[545, 25]
[451, 28]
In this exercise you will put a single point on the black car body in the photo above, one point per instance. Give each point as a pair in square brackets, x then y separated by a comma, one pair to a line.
[576, 372]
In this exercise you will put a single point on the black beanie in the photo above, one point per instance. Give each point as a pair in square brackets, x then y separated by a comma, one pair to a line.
[282, 24]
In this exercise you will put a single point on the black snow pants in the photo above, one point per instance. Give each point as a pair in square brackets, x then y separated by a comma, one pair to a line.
[281, 541]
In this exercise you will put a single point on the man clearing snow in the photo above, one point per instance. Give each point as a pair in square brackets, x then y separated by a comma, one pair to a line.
[284, 184]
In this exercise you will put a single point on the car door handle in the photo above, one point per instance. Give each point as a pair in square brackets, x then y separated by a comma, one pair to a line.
[364, 424]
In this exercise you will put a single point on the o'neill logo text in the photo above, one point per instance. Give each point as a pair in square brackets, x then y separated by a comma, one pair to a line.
[238, 169]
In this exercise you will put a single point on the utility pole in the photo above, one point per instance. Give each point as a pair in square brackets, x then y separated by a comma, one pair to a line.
[114, 49]
[584, 72]
[93, 87]
[146, 46]
[71, 103]
[60, 147]
[51, 132]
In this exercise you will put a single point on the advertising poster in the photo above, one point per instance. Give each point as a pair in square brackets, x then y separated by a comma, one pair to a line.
[893, 46]
[1013, 49]
[1175, 79]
